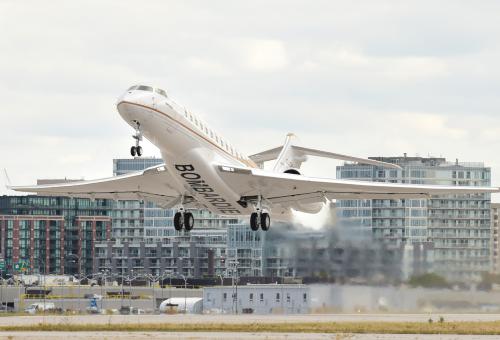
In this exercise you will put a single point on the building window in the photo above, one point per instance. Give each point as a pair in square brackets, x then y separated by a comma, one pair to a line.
[224, 297]
[251, 297]
[277, 297]
[287, 297]
[305, 297]
[261, 297]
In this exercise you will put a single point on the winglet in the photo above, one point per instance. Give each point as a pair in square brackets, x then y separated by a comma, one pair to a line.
[8, 184]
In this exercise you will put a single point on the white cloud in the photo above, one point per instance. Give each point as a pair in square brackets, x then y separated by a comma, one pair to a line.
[265, 55]
[357, 77]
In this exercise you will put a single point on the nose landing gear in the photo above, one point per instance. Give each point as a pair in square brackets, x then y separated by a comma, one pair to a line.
[137, 149]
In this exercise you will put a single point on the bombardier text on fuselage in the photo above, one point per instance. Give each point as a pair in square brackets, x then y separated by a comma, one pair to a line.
[203, 170]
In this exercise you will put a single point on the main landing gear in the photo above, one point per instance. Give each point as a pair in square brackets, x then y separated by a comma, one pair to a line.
[259, 218]
[137, 149]
[183, 219]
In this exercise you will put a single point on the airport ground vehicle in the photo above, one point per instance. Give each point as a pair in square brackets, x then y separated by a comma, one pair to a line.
[40, 307]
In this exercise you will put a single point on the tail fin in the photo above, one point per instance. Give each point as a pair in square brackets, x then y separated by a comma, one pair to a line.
[288, 158]
[8, 184]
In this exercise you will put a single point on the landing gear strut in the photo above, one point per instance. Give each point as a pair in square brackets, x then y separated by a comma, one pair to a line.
[259, 218]
[137, 149]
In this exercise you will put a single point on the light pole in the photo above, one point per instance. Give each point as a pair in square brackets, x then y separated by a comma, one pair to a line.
[233, 265]
[39, 259]
[165, 273]
[221, 292]
[1, 293]
[185, 292]
[103, 283]
[79, 277]
[153, 278]
[130, 288]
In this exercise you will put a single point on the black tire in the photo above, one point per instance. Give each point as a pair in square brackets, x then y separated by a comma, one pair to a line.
[188, 221]
[132, 151]
[178, 221]
[254, 219]
[265, 221]
[139, 150]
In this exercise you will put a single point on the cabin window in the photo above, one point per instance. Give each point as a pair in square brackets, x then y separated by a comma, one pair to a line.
[211, 134]
[196, 121]
[145, 88]
[161, 92]
[190, 117]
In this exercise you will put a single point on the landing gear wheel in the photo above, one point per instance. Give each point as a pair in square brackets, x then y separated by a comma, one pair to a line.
[137, 149]
[265, 221]
[188, 221]
[254, 221]
[178, 221]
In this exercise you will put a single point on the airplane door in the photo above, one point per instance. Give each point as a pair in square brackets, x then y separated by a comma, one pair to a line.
[153, 100]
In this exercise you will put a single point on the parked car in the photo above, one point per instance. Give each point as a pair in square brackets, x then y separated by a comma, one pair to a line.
[92, 296]
[40, 307]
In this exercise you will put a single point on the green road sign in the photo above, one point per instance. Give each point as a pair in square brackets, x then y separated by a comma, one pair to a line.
[21, 265]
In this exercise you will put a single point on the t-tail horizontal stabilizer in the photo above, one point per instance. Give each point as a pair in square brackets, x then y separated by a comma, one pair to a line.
[290, 156]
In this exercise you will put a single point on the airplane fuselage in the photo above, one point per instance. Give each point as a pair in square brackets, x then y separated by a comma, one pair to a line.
[188, 147]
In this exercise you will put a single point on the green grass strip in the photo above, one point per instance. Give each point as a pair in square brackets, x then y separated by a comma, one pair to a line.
[476, 328]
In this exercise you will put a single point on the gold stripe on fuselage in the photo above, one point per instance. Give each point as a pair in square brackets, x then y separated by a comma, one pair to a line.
[248, 162]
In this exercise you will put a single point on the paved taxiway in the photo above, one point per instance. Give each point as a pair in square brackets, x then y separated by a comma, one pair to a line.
[252, 318]
[230, 336]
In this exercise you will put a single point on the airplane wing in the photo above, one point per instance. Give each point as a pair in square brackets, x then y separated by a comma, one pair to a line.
[290, 190]
[153, 184]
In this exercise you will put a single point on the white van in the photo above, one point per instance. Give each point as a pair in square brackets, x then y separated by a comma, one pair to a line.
[39, 307]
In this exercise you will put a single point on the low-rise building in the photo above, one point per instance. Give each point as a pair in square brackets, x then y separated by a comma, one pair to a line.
[257, 299]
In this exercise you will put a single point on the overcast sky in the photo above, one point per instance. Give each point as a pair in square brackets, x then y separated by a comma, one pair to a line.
[367, 78]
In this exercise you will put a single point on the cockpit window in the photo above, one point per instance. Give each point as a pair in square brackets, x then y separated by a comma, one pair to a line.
[144, 88]
[132, 88]
[162, 92]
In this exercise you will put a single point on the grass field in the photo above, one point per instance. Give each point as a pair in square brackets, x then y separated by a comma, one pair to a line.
[477, 328]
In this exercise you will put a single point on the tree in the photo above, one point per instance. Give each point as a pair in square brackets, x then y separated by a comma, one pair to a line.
[428, 280]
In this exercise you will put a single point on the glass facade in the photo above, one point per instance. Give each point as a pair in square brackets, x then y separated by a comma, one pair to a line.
[45, 231]
[457, 225]
[145, 239]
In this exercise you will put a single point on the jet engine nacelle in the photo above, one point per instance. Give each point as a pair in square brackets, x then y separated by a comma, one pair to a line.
[292, 171]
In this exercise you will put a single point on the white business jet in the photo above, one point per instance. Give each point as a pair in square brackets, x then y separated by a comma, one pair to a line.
[203, 170]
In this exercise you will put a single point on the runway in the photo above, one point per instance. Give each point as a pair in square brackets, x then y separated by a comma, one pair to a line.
[230, 336]
[239, 319]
